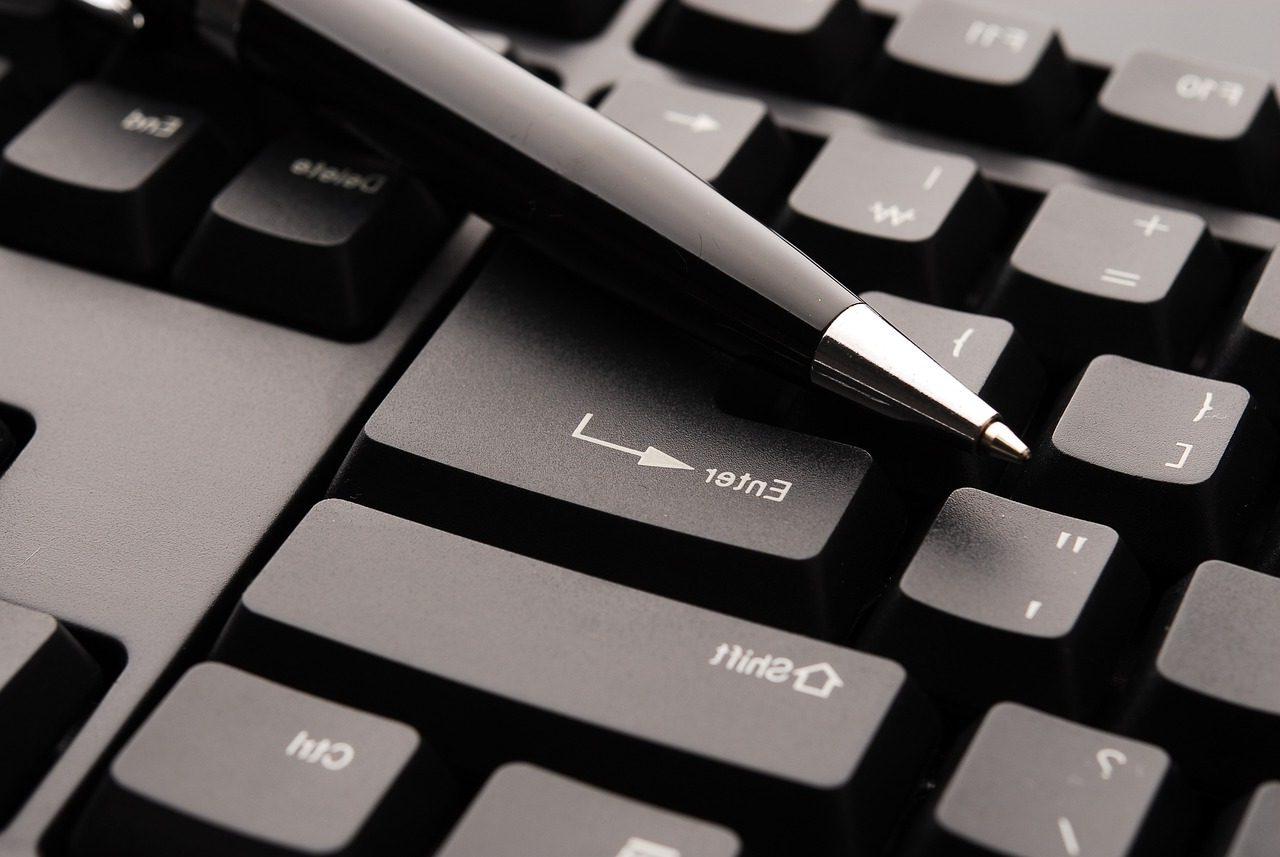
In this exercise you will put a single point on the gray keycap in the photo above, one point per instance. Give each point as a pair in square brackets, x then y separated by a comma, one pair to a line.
[1173, 461]
[981, 71]
[727, 141]
[525, 811]
[911, 220]
[500, 657]
[812, 48]
[232, 764]
[1096, 274]
[1257, 831]
[47, 682]
[590, 434]
[1006, 601]
[1206, 128]
[1251, 350]
[1211, 692]
[1033, 785]
[109, 179]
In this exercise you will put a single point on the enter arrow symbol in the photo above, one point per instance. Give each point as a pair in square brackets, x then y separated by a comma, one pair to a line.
[699, 124]
[650, 457]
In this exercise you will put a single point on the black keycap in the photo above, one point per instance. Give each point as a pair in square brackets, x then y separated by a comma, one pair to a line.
[1005, 601]
[1033, 785]
[727, 141]
[1096, 274]
[1251, 350]
[559, 17]
[500, 657]
[1173, 461]
[810, 48]
[1256, 828]
[1200, 127]
[985, 353]
[908, 220]
[47, 682]
[232, 764]
[1211, 691]
[312, 235]
[980, 71]
[580, 425]
[108, 179]
[525, 811]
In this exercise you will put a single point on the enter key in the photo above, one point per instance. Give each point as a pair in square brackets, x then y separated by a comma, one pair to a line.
[546, 418]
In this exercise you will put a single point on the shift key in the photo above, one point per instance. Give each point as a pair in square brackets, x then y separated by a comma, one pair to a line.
[499, 657]
[548, 418]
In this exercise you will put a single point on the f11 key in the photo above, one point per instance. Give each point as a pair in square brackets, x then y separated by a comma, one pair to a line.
[500, 657]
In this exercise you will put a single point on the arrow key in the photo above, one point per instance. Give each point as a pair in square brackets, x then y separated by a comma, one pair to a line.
[729, 142]
[872, 210]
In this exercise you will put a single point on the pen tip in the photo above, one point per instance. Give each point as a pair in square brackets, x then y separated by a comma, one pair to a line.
[1000, 440]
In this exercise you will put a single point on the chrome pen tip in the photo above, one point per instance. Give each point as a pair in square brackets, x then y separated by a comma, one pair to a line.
[1001, 442]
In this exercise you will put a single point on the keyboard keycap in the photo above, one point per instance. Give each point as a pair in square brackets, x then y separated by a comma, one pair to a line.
[810, 48]
[1257, 829]
[232, 764]
[909, 220]
[558, 17]
[525, 811]
[1210, 693]
[312, 235]
[985, 353]
[1096, 274]
[47, 682]
[1173, 461]
[980, 71]
[1032, 785]
[108, 179]
[1005, 601]
[580, 425]
[500, 657]
[1251, 350]
[1198, 127]
[729, 142]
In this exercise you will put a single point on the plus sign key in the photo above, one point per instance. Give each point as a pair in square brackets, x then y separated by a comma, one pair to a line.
[913, 221]
[1174, 462]
[1096, 274]
[727, 141]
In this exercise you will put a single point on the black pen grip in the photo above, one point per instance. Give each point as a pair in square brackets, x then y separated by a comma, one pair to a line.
[523, 154]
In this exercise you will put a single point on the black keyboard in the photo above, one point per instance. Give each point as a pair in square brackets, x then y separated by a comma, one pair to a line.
[333, 521]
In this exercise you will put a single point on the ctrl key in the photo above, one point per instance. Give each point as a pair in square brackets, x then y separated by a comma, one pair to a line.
[232, 764]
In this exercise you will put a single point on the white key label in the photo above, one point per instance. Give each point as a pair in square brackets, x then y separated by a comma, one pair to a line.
[163, 127]
[330, 755]
[818, 680]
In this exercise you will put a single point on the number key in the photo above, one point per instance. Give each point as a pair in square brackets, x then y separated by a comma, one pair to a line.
[1032, 785]
[1097, 274]
[1173, 461]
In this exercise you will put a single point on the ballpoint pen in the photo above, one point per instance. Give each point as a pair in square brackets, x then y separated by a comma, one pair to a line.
[528, 157]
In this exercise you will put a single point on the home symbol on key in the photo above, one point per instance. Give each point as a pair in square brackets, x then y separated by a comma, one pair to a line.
[817, 680]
